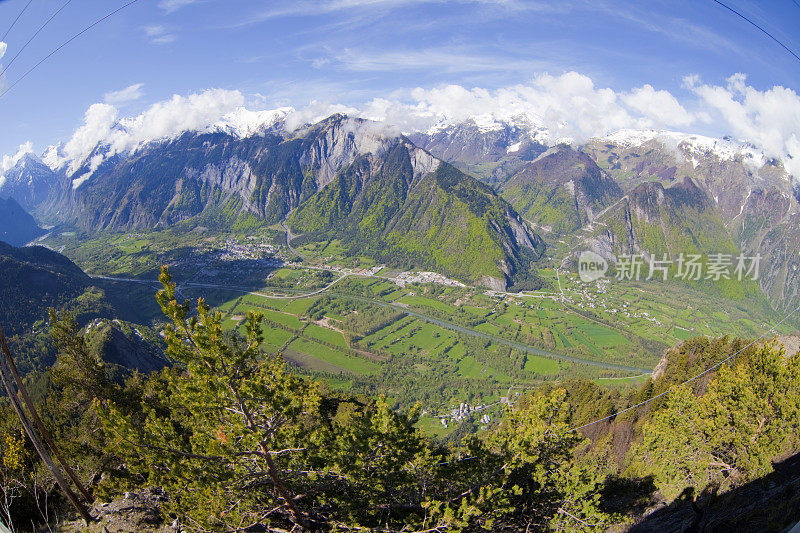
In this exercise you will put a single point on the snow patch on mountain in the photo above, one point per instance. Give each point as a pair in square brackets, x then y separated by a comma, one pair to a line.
[694, 148]
[8, 162]
[243, 123]
[498, 121]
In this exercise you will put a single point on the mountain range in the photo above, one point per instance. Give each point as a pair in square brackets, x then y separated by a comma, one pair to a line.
[672, 193]
[476, 202]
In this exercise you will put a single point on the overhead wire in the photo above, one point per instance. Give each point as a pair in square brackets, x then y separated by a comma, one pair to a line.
[640, 404]
[765, 32]
[65, 43]
[14, 23]
[37, 32]
[698, 376]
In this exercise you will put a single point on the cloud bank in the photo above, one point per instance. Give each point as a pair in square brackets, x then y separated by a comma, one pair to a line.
[557, 108]
[103, 128]
[769, 119]
[565, 107]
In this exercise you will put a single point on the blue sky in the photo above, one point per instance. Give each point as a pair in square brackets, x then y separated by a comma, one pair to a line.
[352, 51]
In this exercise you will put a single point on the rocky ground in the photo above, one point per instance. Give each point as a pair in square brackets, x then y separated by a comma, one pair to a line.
[137, 511]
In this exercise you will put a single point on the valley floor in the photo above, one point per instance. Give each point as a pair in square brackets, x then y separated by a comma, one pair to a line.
[462, 351]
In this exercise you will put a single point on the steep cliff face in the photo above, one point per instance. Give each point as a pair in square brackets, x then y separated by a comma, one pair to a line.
[410, 209]
[265, 175]
[350, 178]
[654, 220]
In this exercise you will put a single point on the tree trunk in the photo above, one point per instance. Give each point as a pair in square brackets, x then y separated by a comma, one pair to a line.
[15, 389]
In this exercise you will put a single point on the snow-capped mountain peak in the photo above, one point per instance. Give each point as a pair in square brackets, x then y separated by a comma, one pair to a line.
[243, 123]
[693, 147]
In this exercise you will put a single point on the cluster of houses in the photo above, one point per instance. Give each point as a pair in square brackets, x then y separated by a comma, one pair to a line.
[404, 278]
[462, 411]
[233, 250]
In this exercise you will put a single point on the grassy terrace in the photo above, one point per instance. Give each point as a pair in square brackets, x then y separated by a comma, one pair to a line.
[410, 358]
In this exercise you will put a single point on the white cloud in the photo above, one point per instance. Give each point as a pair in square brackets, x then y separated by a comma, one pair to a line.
[159, 35]
[163, 120]
[104, 134]
[568, 106]
[769, 119]
[10, 161]
[660, 106]
[3, 48]
[98, 122]
[171, 6]
[314, 112]
[128, 94]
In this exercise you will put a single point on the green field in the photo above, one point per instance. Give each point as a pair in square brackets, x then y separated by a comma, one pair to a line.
[463, 344]
[326, 335]
[339, 359]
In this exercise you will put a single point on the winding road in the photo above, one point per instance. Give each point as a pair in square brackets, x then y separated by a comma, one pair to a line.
[289, 236]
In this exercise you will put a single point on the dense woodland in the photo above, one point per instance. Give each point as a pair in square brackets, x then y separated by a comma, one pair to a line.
[241, 443]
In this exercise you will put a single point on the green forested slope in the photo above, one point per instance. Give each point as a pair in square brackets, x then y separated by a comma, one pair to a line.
[444, 221]
[561, 190]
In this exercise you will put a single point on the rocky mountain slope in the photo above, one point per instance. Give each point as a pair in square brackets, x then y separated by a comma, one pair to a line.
[30, 182]
[560, 191]
[414, 210]
[736, 198]
[665, 223]
[400, 203]
[755, 197]
[483, 148]
[476, 141]
[332, 178]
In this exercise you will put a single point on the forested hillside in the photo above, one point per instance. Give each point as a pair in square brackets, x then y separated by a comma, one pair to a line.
[443, 221]
[237, 441]
[33, 279]
[16, 226]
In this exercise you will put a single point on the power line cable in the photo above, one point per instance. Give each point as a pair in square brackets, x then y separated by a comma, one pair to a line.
[701, 374]
[46, 22]
[65, 43]
[765, 32]
[15, 21]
